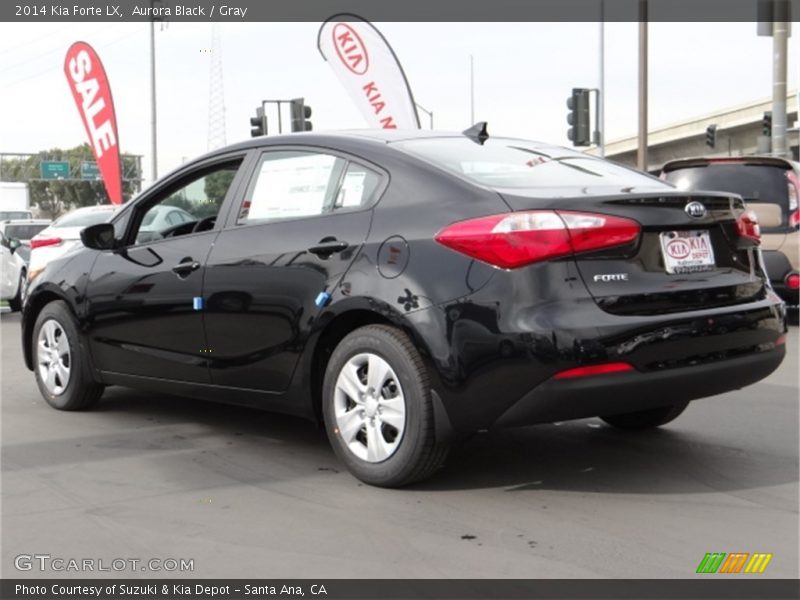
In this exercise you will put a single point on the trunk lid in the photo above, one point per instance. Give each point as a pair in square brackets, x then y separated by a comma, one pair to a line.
[635, 279]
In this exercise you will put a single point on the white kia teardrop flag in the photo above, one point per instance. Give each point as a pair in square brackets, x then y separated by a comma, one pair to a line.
[369, 70]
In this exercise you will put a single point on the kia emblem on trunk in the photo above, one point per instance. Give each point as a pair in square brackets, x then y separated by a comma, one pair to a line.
[696, 210]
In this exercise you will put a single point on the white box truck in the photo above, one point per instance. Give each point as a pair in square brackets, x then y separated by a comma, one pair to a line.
[15, 200]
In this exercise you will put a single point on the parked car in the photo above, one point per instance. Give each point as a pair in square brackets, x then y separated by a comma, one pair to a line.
[23, 230]
[160, 220]
[771, 187]
[12, 272]
[409, 288]
[63, 234]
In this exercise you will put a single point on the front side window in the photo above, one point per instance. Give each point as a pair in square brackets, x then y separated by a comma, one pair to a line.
[190, 206]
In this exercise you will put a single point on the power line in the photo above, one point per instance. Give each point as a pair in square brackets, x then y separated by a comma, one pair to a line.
[57, 68]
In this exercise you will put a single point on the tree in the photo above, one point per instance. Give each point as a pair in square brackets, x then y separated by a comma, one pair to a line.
[52, 197]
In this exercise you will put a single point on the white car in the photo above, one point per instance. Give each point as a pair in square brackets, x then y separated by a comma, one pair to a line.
[64, 234]
[160, 219]
[12, 272]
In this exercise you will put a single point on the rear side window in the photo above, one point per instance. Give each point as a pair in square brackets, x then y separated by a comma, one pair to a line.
[296, 184]
[507, 163]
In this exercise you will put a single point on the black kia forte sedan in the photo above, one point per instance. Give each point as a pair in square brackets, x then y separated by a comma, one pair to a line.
[407, 289]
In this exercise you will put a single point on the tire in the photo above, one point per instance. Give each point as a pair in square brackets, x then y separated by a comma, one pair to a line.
[386, 439]
[16, 302]
[70, 384]
[646, 419]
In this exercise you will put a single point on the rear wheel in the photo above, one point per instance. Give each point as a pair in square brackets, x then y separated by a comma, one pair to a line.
[16, 302]
[646, 419]
[62, 371]
[378, 410]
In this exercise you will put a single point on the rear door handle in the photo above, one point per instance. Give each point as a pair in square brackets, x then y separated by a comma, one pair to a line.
[186, 267]
[324, 250]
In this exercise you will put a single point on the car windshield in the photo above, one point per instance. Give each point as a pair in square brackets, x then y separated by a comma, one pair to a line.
[506, 163]
[753, 182]
[23, 232]
[84, 218]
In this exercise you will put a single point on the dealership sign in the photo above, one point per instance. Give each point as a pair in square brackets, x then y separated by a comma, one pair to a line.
[369, 70]
[92, 94]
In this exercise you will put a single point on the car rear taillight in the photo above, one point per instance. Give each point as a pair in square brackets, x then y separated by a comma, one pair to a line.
[39, 242]
[792, 281]
[515, 239]
[747, 226]
[604, 369]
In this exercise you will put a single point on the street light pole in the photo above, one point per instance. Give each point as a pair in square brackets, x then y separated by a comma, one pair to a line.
[641, 159]
[601, 142]
[427, 112]
[471, 89]
[779, 72]
[153, 118]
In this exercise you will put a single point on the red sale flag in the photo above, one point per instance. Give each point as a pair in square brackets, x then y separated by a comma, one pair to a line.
[89, 85]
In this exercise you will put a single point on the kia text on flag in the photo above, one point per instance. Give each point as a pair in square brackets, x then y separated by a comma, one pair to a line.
[89, 85]
[369, 70]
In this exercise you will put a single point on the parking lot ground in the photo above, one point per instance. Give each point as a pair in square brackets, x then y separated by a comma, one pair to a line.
[252, 494]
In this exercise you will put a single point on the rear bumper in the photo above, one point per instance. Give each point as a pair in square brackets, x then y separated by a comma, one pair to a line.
[557, 400]
[493, 355]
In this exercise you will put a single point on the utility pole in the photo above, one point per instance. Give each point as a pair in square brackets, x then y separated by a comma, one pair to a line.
[641, 157]
[779, 72]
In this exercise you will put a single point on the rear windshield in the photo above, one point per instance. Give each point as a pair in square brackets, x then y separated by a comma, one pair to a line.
[11, 215]
[84, 218]
[505, 163]
[754, 183]
[23, 232]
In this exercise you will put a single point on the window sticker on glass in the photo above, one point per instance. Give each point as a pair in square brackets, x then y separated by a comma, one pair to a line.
[293, 185]
[352, 192]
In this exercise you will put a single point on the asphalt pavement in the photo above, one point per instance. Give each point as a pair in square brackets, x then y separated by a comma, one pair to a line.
[244, 493]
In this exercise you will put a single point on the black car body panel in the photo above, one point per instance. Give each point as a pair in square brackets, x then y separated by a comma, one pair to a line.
[492, 338]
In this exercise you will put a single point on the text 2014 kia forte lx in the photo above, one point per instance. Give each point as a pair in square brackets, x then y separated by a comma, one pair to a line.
[407, 289]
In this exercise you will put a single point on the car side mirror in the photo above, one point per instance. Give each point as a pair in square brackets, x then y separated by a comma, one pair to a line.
[13, 244]
[98, 237]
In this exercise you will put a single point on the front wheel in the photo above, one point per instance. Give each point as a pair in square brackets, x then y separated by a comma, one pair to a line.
[62, 371]
[378, 409]
[646, 419]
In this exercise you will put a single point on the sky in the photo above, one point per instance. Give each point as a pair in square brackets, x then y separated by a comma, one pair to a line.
[523, 73]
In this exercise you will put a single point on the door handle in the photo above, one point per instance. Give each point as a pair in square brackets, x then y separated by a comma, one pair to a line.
[324, 250]
[186, 267]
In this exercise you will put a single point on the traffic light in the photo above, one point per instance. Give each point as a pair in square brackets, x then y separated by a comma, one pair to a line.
[766, 124]
[300, 112]
[258, 124]
[578, 117]
[711, 136]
